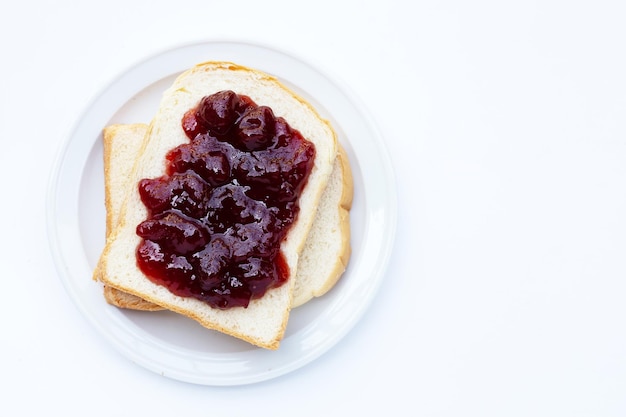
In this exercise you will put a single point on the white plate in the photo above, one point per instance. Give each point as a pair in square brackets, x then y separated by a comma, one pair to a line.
[172, 345]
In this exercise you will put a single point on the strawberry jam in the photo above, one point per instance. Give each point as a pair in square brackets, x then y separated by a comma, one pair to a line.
[217, 218]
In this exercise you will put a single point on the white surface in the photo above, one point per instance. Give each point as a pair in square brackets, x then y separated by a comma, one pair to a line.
[167, 343]
[505, 121]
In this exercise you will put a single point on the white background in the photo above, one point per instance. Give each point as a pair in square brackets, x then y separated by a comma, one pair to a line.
[506, 125]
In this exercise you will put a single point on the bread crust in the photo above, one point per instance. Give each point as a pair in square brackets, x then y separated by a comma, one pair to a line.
[125, 300]
[264, 321]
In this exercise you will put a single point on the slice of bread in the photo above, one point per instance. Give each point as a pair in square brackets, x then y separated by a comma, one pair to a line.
[326, 251]
[121, 145]
[264, 321]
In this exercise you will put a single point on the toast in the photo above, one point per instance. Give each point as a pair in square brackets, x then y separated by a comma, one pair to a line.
[326, 251]
[264, 320]
[121, 145]
[327, 248]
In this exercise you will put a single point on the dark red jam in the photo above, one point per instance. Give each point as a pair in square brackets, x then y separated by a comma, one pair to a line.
[217, 217]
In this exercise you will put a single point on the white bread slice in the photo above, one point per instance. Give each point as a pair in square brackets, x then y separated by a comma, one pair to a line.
[328, 239]
[264, 321]
[121, 145]
[327, 249]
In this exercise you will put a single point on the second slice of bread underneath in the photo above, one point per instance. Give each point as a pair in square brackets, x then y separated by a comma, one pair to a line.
[325, 254]
[264, 321]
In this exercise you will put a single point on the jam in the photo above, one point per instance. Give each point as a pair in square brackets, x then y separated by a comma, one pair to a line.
[217, 218]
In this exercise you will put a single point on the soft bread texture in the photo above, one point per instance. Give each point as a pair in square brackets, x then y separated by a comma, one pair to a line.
[264, 321]
[326, 251]
[121, 145]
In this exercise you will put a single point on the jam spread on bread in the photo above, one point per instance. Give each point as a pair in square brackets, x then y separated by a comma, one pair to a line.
[228, 198]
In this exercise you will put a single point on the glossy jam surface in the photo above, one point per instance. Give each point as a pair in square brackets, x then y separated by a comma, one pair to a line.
[217, 217]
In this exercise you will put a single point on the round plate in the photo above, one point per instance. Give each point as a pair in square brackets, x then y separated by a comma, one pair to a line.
[175, 346]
